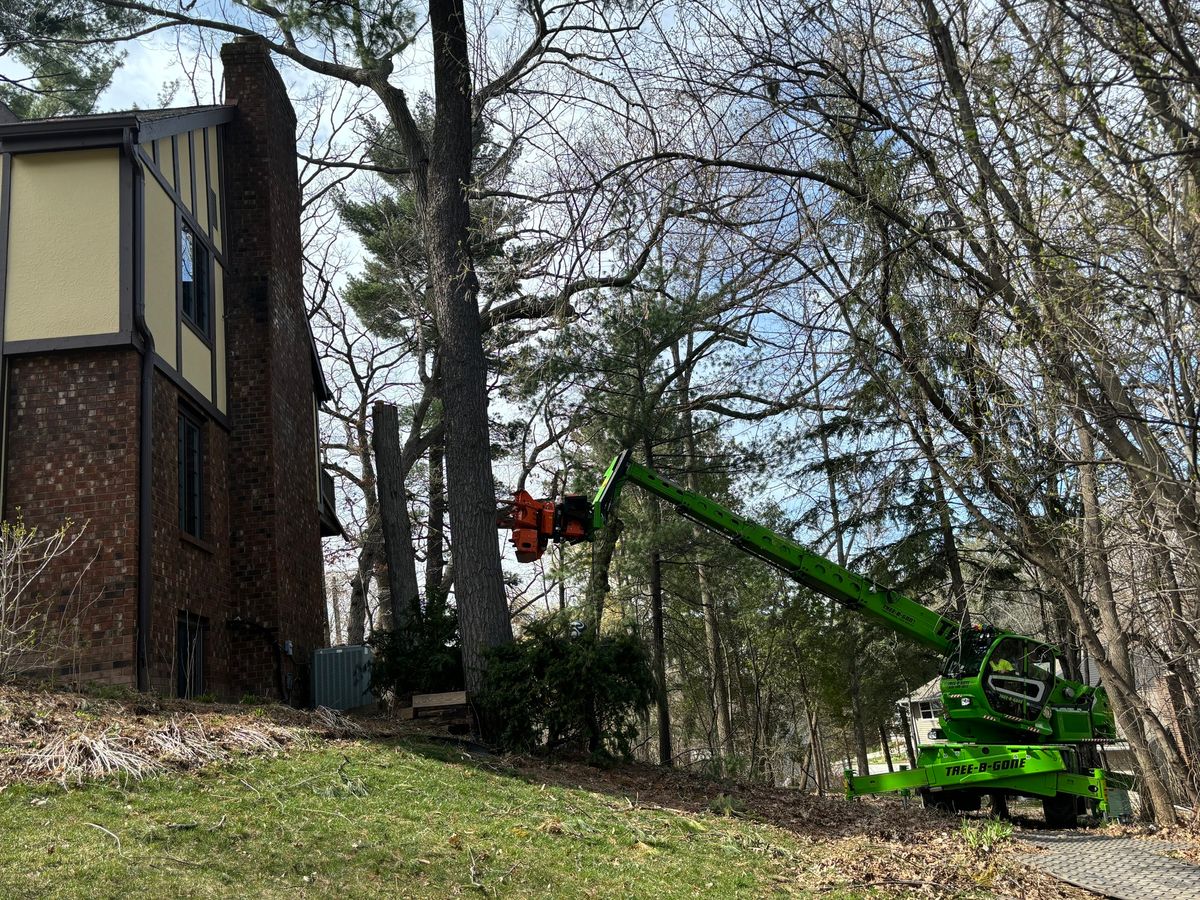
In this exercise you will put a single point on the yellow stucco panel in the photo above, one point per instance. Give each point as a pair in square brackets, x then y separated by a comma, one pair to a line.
[64, 245]
[201, 181]
[160, 260]
[197, 363]
[214, 182]
[166, 160]
[219, 322]
[185, 171]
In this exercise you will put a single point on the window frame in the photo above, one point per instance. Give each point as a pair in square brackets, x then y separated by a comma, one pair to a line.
[191, 422]
[200, 318]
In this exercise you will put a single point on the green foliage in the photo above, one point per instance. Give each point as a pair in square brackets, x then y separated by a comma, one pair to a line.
[562, 687]
[982, 837]
[65, 76]
[427, 658]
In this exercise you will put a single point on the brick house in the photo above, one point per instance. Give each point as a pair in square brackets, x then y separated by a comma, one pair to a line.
[160, 382]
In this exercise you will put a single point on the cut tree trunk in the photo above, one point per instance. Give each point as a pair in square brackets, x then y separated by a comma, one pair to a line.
[404, 595]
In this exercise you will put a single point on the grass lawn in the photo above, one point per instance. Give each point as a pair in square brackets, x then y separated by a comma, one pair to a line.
[376, 819]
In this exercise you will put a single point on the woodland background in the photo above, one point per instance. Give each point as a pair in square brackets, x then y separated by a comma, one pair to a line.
[912, 282]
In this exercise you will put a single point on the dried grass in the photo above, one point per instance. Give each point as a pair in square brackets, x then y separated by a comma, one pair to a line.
[75, 757]
[70, 738]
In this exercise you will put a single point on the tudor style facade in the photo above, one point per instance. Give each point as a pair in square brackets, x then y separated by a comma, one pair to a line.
[159, 382]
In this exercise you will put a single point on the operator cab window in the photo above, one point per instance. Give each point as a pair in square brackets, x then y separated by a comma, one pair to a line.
[1018, 676]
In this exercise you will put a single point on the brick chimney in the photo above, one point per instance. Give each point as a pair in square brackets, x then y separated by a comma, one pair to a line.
[275, 537]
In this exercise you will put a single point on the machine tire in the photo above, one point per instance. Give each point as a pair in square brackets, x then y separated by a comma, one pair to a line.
[1061, 811]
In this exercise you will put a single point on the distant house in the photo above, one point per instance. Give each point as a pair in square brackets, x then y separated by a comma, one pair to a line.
[160, 382]
[922, 708]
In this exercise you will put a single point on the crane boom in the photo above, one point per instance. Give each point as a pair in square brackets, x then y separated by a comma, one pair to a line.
[827, 578]
[1010, 725]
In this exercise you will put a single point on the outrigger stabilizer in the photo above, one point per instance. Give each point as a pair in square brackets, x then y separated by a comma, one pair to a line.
[1013, 725]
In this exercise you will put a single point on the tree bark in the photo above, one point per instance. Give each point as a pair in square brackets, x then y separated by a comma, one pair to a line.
[712, 630]
[658, 632]
[356, 624]
[479, 588]
[435, 532]
[404, 595]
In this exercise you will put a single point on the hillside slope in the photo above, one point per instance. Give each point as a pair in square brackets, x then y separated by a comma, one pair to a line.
[383, 815]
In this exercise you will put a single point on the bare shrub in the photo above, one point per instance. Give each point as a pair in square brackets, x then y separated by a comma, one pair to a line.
[39, 622]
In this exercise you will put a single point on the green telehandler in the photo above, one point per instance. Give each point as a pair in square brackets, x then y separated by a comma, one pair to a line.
[1012, 724]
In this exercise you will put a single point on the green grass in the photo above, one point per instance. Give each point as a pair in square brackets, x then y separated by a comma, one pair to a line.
[375, 819]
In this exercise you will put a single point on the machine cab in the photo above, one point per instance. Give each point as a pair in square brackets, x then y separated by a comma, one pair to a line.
[1017, 677]
[997, 687]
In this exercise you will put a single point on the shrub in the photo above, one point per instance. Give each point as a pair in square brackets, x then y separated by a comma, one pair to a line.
[41, 598]
[564, 687]
[425, 658]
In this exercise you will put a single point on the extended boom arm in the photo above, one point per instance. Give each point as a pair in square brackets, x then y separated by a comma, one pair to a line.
[535, 522]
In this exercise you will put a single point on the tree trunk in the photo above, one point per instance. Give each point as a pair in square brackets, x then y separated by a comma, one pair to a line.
[1116, 645]
[404, 595]
[479, 588]
[658, 632]
[712, 630]
[356, 625]
[906, 724]
[856, 719]
[887, 750]
[435, 532]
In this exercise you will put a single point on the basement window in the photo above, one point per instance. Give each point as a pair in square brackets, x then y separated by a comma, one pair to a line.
[191, 634]
[191, 476]
[195, 279]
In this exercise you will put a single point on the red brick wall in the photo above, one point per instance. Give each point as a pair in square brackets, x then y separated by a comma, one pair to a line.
[190, 576]
[277, 566]
[72, 452]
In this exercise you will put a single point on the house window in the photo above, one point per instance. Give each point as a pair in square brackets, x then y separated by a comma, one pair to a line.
[191, 476]
[191, 634]
[927, 710]
[195, 278]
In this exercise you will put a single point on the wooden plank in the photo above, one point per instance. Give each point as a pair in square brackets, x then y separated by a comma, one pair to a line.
[433, 701]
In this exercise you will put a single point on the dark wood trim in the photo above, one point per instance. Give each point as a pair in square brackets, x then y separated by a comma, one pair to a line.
[154, 152]
[198, 543]
[190, 393]
[221, 196]
[175, 163]
[191, 326]
[182, 207]
[208, 207]
[50, 143]
[71, 342]
[178, 293]
[173, 125]
[126, 244]
[192, 170]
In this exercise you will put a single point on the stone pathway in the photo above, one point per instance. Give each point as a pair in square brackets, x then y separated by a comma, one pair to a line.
[1125, 868]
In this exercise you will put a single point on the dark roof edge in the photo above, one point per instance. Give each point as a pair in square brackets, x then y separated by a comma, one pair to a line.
[78, 132]
[320, 385]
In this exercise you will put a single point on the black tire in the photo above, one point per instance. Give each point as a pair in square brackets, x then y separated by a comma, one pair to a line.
[1061, 811]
